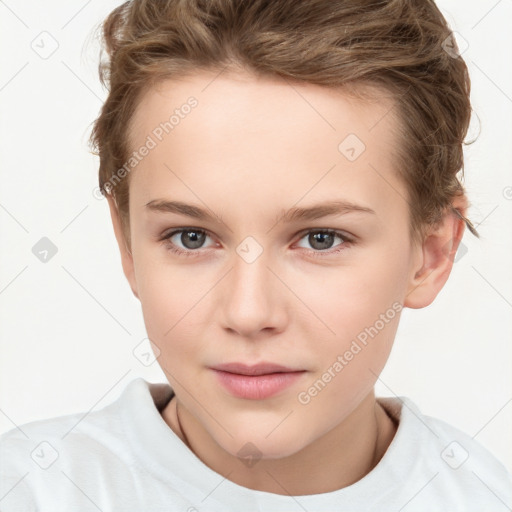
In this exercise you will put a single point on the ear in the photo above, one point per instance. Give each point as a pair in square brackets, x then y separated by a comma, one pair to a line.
[435, 257]
[126, 255]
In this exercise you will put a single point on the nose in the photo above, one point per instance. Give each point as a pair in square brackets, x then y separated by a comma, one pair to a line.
[253, 299]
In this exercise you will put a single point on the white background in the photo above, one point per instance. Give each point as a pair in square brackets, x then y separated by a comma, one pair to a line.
[69, 326]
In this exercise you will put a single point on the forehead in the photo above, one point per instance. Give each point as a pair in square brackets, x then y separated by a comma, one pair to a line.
[229, 101]
[279, 135]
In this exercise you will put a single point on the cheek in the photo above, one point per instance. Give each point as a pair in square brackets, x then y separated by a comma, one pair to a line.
[350, 298]
[348, 366]
[170, 298]
[361, 305]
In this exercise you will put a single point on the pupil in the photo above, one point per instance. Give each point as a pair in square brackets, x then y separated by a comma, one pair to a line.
[195, 239]
[324, 239]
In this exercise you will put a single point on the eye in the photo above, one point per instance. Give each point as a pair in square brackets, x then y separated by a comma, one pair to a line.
[188, 241]
[323, 239]
[189, 238]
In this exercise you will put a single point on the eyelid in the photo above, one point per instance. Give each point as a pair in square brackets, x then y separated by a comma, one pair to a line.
[339, 232]
[167, 235]
[348, 239]
[164, 239]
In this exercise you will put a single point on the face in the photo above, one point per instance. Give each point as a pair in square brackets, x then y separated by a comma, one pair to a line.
[294, 249]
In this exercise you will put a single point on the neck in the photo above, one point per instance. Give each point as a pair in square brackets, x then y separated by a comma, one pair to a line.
[337, 459]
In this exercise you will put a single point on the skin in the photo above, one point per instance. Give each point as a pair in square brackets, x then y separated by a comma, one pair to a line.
[252, 149]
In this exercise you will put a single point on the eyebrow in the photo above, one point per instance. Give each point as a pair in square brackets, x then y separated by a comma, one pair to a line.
[293, 214]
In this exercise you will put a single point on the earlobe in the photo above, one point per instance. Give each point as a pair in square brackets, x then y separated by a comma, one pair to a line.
[435, 263]
[126, 255]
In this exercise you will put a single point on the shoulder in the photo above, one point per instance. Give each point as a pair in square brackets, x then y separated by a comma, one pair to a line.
[44, 441]
[44, 459]
[454, 466]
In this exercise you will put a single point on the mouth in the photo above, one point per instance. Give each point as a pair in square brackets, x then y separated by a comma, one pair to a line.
[256, 382]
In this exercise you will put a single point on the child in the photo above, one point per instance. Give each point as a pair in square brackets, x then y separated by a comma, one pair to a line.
[282, 182]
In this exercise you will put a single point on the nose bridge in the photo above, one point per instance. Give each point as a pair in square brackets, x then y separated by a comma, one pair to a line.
[252, 301]
[250, 276]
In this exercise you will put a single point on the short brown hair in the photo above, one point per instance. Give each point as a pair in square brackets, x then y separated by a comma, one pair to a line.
[397, 46]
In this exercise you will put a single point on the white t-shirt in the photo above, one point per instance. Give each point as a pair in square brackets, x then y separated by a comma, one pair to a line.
[124, 457]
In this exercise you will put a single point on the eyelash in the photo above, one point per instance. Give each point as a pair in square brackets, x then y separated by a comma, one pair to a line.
[346, 240]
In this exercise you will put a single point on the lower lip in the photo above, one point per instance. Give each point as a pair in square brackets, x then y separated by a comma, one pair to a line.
[257, 387]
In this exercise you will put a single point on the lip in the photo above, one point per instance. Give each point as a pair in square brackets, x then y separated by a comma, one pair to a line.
[256, 382]
[263, 368]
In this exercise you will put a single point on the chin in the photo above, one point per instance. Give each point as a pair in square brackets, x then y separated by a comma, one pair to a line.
[255, 444]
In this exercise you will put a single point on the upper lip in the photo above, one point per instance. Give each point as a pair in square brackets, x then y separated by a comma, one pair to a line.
[257, 369]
